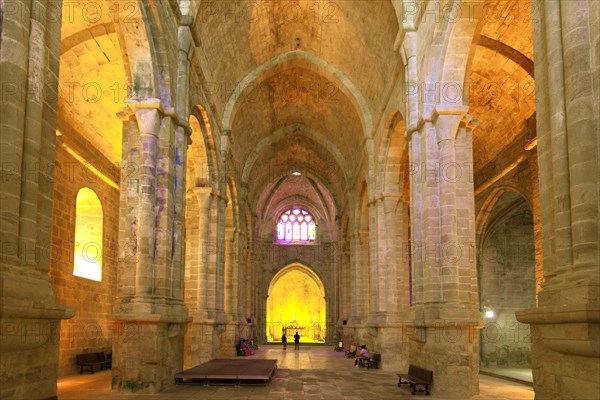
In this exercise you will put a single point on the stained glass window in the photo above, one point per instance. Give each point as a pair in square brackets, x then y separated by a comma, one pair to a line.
[296, 226]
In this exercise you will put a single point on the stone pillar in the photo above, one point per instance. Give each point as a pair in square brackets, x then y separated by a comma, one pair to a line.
[200, 261]
[345, 282]
[231, 290]
[29, 316]
[229, 281]
[391, 300]
[565, 325]
[445, 307]
[149, 315]
[245, 275]
[359, 283]
[376, 287]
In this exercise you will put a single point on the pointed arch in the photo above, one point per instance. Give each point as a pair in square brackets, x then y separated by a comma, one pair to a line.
[296, 302]
[311, 62]
[393, 167]
[202, 151]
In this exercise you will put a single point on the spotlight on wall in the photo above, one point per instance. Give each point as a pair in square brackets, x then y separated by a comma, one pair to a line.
[490, 314]
[296, 173]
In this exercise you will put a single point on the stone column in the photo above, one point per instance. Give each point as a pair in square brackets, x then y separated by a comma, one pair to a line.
[225, 343]
[344, 281]
[566, 322]
[359, 284]
[391, 291]
[245, 276]
[230, 290]
[201, 268]
[149, 315]
[29, 316]
[345, 294]
[376, 287]
[445, 307]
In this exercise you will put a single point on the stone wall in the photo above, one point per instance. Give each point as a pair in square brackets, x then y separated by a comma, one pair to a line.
[89, 330]
[507, 283]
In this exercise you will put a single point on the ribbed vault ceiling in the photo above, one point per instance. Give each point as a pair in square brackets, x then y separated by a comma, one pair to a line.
[300, 84]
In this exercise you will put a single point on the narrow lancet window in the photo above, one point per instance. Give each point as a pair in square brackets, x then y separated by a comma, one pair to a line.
[87, 252]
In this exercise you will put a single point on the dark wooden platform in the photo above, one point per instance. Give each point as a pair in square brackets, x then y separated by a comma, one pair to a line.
[233, 371]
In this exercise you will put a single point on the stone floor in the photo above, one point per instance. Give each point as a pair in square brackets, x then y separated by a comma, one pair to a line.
[519, 375]
[313, 372]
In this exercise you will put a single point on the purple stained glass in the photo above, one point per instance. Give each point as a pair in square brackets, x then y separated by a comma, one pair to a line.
[296, 225]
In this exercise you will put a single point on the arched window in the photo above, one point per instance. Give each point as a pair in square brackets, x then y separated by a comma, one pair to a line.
[87, 254]
[296, 226]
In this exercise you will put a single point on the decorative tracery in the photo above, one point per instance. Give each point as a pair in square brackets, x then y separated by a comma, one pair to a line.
[296, 225]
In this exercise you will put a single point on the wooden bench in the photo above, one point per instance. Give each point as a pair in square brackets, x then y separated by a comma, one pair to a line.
[88, 361]
[417, 376]
[373, 362]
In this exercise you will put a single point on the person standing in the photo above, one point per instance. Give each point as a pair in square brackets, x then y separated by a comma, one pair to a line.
[296, 341]
[284, 341]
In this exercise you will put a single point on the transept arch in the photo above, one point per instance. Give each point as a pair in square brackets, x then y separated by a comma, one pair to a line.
[296, 302]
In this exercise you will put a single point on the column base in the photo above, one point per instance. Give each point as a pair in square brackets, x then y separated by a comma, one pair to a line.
[566, 350]
[29, 336]
[146, 355]
[451, 351]
[148, 347]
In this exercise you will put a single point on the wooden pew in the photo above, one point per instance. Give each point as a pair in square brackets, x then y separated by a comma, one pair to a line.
[417, 376]
[88, 361]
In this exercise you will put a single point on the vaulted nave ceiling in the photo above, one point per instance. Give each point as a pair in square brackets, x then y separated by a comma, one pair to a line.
[299, 84]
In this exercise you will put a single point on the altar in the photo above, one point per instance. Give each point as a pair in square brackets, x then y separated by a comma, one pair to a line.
[290, 332]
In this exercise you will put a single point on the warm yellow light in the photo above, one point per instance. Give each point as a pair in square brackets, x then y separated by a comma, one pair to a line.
[87, 252]
[296, 303]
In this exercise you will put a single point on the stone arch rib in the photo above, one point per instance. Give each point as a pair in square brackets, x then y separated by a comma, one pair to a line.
[351, 90]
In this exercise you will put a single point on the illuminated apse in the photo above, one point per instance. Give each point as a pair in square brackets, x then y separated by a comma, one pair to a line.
[296, 303]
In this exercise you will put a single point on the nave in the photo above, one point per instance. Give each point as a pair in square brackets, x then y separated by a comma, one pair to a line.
[314, 372]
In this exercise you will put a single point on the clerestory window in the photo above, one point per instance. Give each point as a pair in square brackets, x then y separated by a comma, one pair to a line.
[296, 226]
